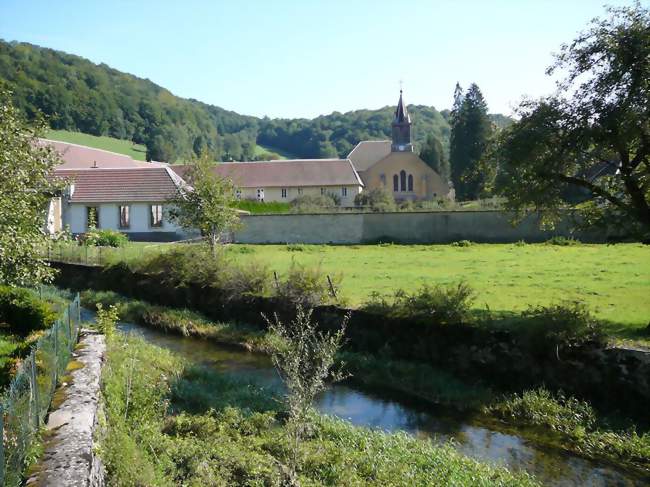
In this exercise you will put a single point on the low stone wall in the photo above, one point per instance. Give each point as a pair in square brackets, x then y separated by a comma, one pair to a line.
[403, 227]
[69, 459]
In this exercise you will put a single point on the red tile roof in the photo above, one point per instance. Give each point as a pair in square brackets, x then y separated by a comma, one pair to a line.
[81, 157]
[291, 173]
[139, 184]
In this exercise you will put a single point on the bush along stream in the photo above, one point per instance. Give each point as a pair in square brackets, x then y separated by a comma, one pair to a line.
[538, 415]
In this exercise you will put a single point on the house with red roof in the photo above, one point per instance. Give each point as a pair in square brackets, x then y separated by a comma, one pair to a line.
[110, 190]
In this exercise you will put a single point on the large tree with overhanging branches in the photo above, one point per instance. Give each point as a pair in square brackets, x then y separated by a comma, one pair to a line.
[25, 191]
[591, 139]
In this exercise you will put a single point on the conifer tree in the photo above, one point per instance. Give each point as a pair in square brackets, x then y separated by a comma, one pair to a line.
[470, 132]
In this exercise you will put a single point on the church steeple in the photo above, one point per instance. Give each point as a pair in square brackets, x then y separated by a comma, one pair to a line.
[401, 128]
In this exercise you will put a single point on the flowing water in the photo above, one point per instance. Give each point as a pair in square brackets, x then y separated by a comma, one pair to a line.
[472, 436]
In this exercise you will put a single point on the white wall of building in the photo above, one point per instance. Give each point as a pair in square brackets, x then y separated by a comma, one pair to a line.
[75, 215]
[273, 194]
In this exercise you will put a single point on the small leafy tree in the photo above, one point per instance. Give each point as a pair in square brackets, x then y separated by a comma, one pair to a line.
[207, 203]
[107, 319]
[304, 359]
[25, 191]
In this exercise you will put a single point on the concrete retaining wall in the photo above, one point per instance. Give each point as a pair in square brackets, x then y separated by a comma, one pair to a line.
[416, 228]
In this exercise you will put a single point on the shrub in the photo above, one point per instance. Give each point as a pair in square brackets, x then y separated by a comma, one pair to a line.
[107, 319]
[104, 238]
[462, 243]
[311, 204]
[23, 311]
[541, 408]
[378, 199]
[562, 241]
[553, 327]
[252, 278]
[306, 287]
[262, 207]
[436, 304]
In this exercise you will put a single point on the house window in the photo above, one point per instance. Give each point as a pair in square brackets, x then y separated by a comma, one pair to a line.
[125, 217]
[344, 192]
[410, 182]
[284, 192]
[238, 193]
[260, 194]
[395, 183]
[322, 191]
[156, 220]
[92, 217]
[402, 180]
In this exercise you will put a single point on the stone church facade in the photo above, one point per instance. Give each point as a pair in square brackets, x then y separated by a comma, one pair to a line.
[395, 167]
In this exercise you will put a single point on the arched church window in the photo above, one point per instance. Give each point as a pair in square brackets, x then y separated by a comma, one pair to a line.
[402, 180]
[395, 183]
[410, 182]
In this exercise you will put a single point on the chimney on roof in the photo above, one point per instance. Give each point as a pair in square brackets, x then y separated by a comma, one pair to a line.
[94, 166]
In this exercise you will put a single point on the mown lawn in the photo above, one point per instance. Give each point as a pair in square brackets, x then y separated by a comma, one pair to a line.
[613, 280]
[137, 152]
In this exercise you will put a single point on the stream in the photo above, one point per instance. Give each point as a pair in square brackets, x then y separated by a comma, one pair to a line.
[389, 412]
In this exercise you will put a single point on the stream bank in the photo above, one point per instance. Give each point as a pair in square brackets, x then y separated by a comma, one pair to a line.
[470, 435]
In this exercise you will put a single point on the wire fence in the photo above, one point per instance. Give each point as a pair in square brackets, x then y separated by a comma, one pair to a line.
[99, 256]
[25, 403]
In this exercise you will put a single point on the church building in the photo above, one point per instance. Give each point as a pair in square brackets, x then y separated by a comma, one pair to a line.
[395, 167]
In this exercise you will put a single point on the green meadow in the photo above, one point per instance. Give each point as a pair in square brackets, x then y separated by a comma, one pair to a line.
[613, 280]
[137, 152]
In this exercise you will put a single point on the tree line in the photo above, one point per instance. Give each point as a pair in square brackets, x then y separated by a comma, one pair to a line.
[78, 95]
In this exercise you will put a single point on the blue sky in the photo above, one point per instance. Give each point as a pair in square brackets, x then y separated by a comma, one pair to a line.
[304, 58]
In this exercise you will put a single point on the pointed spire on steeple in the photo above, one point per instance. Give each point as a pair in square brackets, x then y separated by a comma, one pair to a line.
[401, 114]
[401, 127]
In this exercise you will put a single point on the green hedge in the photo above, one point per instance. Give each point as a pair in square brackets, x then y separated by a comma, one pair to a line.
[22, 311]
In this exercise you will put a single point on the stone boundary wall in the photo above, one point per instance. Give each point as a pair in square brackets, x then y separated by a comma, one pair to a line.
[402, 227]
[69, 459]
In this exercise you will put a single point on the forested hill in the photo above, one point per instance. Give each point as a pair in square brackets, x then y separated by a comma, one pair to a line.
[76, 94]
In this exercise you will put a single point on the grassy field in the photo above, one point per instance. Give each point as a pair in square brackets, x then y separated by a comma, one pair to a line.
[137, 152]
[261, 149]
[614, 280]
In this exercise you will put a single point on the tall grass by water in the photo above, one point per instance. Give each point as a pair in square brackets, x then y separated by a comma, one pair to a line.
[232, 434]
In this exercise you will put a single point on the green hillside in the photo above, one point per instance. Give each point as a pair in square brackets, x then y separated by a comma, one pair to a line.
[79, 96]
[126, 147]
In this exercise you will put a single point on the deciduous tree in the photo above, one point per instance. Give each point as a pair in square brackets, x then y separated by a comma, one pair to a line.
[593, 134]
[25, 191]
[207, 203]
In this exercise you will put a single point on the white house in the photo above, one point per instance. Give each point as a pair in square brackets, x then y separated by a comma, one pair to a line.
[131, 200]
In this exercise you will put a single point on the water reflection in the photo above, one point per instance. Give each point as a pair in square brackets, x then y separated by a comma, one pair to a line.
[550, 466]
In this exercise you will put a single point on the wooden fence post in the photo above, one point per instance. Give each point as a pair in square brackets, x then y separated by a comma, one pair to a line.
[332, 290]
[277, 283]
